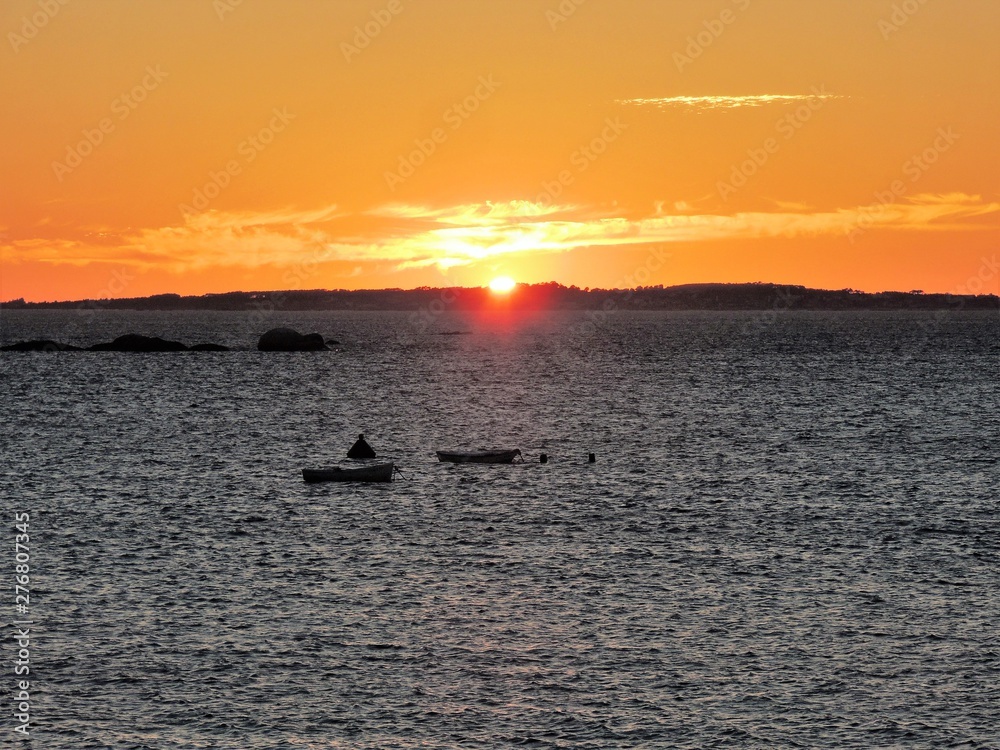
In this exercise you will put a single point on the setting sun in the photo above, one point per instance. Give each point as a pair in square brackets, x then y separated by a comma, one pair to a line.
[502, 285]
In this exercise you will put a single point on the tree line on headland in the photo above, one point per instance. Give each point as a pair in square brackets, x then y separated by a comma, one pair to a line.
[550, 296]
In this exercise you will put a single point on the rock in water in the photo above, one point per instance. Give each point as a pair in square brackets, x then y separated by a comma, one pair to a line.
[288, 340]
[313, 342]
[133, 342]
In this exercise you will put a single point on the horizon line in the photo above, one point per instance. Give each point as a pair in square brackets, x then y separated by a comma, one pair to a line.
[486, 289]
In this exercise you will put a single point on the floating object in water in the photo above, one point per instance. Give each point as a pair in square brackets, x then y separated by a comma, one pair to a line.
[361, 449]
[591, 459]
[543, 459]
[368, 473]
[480, 457]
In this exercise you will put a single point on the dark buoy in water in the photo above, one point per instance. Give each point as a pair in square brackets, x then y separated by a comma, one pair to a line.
[361, 449]
[591, 459]
[543, 459]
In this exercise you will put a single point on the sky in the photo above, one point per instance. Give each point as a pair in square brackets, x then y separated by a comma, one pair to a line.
[198, 146]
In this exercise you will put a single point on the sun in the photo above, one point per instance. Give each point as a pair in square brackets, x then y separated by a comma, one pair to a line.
[502, 285]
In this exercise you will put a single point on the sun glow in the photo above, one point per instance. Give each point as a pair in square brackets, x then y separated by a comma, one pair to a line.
[502, 285]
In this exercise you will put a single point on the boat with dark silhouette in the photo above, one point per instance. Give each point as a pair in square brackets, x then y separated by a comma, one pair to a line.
[366, 473]
[480, 457]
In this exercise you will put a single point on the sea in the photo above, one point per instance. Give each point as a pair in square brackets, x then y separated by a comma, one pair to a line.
[789, 537]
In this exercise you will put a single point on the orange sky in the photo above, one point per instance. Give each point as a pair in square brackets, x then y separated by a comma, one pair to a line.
[200, 146]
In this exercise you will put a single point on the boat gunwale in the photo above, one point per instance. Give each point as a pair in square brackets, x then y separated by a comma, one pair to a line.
[365, 473]
[499, 456]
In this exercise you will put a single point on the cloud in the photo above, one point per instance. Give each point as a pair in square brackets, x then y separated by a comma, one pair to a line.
[407, 236]
[946, 199]
[247, 219]
[452, 241]
[474, 214]
[708, 103]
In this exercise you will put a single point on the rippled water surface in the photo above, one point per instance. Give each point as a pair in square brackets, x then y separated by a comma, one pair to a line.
[789, 539]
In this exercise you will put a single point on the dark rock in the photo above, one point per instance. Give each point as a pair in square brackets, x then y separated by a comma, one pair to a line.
[332, 342]
[209, 348]
[132, 342]
[313, 342]
[287, 340]
[43, 345]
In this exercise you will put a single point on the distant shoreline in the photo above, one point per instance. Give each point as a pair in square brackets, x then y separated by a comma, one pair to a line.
[551, 296]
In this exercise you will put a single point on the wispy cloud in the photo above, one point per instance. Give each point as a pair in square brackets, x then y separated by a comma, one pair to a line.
[250, 219]
[708, 103]
[419, 236]
[473, 214]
